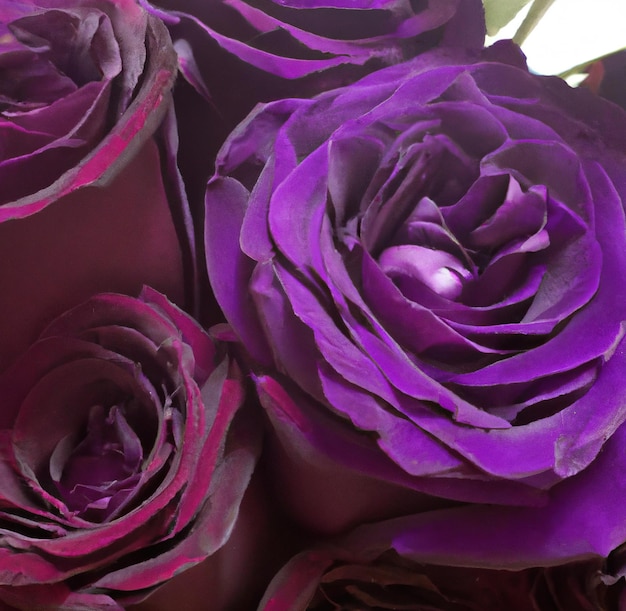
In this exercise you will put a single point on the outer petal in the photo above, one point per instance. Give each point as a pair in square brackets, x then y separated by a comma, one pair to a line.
[583, 518]
[81, 245]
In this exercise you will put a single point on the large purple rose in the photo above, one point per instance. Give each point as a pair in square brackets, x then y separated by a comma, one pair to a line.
[124, 456]
[426, 268]
[91, 200]
[366, 572]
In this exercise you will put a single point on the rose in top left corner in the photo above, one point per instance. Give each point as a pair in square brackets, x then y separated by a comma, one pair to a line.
[91, 199]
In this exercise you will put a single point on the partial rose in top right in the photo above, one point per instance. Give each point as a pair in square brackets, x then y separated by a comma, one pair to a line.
[426, 270]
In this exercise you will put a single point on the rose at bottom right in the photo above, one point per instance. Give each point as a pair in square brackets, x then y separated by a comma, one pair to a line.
[364, 571]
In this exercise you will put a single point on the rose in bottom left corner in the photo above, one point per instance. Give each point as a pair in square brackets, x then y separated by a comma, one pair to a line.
[126, 447]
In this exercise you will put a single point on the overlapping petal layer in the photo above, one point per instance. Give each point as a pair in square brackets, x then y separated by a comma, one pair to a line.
[237, 53]
[425, 268]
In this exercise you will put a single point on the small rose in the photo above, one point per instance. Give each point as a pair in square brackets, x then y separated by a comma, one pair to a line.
[424, 268]
[123, 459]
[87, 162]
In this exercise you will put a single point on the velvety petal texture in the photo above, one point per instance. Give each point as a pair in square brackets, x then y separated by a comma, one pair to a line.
[123, 457]
[359, 573]
[424, 269]
[234, 54]
[88, 153]
[293, 39]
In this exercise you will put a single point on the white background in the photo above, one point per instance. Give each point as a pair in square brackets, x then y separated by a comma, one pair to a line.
[572, 32]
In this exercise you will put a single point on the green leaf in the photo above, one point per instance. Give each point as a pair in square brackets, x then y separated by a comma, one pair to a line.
[536, 12]
[500, 12]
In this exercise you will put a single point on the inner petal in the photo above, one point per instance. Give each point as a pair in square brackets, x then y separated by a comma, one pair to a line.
[90, 472]
[521, 214]
[440, 271]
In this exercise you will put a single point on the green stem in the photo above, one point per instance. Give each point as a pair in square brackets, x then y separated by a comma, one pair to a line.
[536, 12]
[580, 68]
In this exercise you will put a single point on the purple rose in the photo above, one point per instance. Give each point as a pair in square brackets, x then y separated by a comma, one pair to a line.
[123, 457]
[365, 573]
[424, 268]
[88, 160]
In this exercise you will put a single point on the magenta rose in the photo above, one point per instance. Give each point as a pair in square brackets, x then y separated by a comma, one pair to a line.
[124, 455]
[362, 572]
[91, 198]
[424, 268]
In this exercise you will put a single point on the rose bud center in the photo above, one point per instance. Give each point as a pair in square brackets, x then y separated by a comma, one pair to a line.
[466, 244]
[96, 471]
